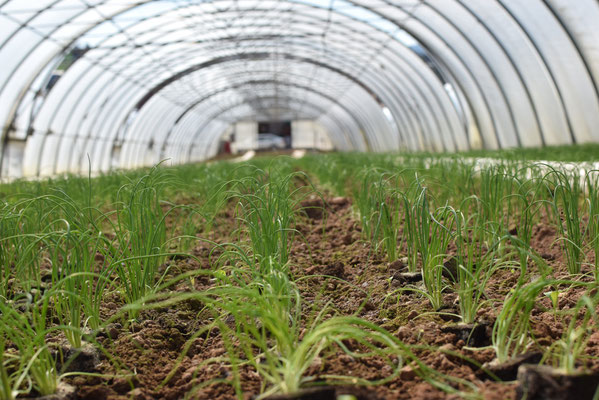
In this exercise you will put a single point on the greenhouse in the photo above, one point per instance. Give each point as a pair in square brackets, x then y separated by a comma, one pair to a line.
[299, 199]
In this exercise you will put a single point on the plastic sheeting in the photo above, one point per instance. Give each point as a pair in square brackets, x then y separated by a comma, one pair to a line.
[126, 83]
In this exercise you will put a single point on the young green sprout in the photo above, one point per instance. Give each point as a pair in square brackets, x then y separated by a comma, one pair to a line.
[566, 195]
[512, 331]
[568, 352]
[33, 367]
[141, 235]
[592, 200]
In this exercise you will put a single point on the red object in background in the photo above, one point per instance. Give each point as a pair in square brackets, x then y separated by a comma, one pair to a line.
[227, 147]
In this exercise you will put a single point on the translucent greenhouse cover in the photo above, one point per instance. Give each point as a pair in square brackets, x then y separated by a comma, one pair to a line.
[127, 83]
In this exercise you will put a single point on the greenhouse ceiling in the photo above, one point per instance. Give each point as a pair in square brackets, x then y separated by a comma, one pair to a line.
[122, 83]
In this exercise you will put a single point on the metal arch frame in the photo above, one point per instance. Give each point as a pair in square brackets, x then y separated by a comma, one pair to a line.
[575, 44]
[386, 101]
[514, 66]
[491, 69]
[550, 68]
[440, 38]
[545, 118]
[218, 113]
[367, 25]
[212, 117]
[356, 114]
[443, 109]
[92, 82]
[433, 91]
[311, 62]
[524, 27]
[153, 90]
[234, 86]
[566, 103]
[446, 66]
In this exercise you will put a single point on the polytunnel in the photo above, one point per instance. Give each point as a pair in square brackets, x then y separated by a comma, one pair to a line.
[106, 84]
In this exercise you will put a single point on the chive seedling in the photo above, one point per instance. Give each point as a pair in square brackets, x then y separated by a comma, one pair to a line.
[566, 195]
[267, 208]
[475, 264]
[431, 233]
[141, 234]
[36, 367]
[511, 331]
[570, 349]
[592, 199]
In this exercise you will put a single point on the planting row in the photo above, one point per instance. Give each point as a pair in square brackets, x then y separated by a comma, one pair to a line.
[446, 229]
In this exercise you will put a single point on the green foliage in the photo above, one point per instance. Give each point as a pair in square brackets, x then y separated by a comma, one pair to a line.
[67, 242]
[378, 203]
[511, 331]
[592, 200]
[140, 234]
[475, 262]
[433, 231]
[566, 194]
[567, 352]
[33, 367]
[267, 204]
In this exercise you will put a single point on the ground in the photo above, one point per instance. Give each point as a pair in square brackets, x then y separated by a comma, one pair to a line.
[336, 265]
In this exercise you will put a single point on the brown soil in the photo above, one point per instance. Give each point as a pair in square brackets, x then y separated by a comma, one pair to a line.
[339, 267]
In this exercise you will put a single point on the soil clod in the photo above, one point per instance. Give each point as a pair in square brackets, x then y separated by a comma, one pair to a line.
[408, 277]
[473, 335]
[540, 382]
[508, 371]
